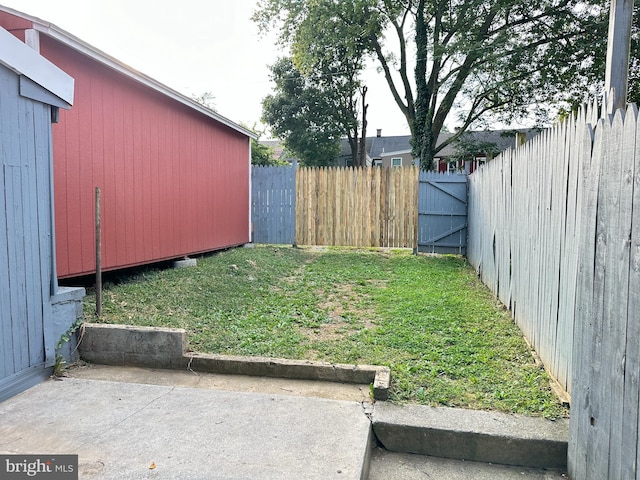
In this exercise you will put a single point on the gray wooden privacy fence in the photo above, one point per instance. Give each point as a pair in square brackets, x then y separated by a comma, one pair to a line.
[442, 213]
[273, 204]
[554, 230]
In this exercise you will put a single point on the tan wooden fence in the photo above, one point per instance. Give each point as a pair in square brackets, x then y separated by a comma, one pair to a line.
[360, 207]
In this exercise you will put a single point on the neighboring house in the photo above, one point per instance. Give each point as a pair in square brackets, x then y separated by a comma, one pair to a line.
[280, 153]
[345, 159]
[174, 175]
[401, 158]
[396, 151]
[34, 311]
[474, 148]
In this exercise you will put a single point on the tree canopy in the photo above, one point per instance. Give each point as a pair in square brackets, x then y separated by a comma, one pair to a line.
[475, 60]
[327, 52]
[303, 115]
[207, 99]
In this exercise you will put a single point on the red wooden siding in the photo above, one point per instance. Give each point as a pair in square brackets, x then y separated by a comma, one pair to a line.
[15, 25]
[174, 181]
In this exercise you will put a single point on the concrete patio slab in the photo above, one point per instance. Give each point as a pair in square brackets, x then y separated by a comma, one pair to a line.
[233, 383]
[142, 431]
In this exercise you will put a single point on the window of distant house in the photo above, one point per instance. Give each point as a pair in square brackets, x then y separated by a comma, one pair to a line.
[396, 162]
[480, 161]
[377, 163]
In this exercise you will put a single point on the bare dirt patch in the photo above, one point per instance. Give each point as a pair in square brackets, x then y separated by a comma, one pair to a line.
[343, 306]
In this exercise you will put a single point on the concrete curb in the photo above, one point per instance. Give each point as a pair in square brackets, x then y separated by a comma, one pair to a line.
[490, 437]
[168, 348]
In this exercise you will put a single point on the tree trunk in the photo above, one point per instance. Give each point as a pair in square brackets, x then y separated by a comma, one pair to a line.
[362, 160]
[353, 143]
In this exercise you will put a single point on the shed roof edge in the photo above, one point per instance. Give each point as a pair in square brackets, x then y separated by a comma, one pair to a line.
[98, 55]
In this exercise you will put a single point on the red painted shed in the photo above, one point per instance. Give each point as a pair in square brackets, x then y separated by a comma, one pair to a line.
[174, 175]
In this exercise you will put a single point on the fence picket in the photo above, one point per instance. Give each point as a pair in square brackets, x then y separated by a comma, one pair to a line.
[630, 434]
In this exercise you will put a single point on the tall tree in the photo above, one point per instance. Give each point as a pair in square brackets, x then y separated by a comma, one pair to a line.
[301, 114]
[477, 60]
[331, 53]
[497, 59]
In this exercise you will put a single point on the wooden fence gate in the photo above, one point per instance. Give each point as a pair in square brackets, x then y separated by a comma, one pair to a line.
[273, 204]
[442, 213]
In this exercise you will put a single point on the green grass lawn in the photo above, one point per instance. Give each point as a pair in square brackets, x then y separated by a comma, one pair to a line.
[446, 339]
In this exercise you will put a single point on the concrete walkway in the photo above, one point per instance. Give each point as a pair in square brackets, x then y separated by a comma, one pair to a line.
[120, 430]
[122, 421]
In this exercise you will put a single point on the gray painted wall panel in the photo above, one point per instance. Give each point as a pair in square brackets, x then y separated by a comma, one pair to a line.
[25, 232]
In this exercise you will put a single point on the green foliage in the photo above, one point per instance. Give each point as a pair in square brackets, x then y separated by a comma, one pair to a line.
[329, 43]
[479, 60]
[634, 63]
[262, 154]
[440, 330]
[501, 60]
[303, 115]
[206, 99]
[66, 336]
[59, 366]
[467, 146]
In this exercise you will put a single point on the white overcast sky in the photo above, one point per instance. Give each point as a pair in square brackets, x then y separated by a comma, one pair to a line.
[195, 46]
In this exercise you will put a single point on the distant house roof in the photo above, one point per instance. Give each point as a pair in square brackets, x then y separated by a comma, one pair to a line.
[379, 146]
[500, 139]
[382, 145]
[81, 46]
[280, 152]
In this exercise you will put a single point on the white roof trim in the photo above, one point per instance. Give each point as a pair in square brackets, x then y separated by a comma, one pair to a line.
[81, 46]
[390, 154]
[23, 60]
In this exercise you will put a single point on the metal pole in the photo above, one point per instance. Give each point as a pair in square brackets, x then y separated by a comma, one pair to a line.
[618, 47]
[98, 256]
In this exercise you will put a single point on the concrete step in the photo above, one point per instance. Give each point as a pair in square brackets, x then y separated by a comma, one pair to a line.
[387, 465]
[490, 437]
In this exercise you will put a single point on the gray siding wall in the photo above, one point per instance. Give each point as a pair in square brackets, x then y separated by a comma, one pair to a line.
[26, 237]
